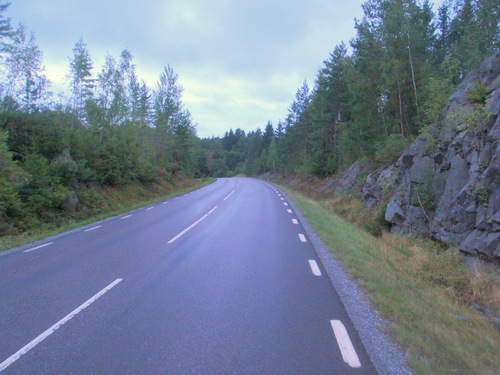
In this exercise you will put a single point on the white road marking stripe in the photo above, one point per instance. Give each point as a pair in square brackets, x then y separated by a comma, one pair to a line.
[289, 211]
[285, 204]
[125, 217]
[295, 221]
[302, 237]
[165, 202]
[231, 193]
[348, 352]
[282, 199]
[93, 228]
[150, 208]
[14, 357]
[191, 226]
[314, 267]
[38, 247]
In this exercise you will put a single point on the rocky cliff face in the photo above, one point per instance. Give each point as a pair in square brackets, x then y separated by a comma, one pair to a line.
[447, 184]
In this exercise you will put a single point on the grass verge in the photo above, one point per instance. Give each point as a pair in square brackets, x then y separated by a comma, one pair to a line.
[102, 203]
[425, 294]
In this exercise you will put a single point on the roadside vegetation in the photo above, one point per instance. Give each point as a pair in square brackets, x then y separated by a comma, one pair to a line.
[428, 295]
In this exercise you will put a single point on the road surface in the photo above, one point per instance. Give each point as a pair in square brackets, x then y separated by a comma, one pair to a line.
[222, 280]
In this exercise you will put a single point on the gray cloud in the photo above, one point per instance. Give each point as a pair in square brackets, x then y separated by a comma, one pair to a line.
[240, 62]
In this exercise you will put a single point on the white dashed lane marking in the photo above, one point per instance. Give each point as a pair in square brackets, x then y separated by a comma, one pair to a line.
[192, 225]
[289, 211]
[150, 208]
[345, 345]
[14, 357]
[231, 193]
[93, 228]
[314, 267]
[302, 238]
[295, 221]
[38, 247]
[126, 217]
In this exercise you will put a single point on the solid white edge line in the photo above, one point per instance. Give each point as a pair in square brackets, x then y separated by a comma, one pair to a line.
[93, 228]
[302, 237]
[314, 267]
[38, 247]
[295, 221]
[231, 193]
[125, 217]
[191, 226]
[14, 357]
[345, 345]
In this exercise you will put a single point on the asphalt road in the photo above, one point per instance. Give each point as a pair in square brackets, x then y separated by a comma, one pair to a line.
[222, 280]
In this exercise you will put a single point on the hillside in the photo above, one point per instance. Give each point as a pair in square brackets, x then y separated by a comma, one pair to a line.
[446, 185]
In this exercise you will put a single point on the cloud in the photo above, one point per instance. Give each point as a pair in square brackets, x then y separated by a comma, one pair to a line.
[240, 62]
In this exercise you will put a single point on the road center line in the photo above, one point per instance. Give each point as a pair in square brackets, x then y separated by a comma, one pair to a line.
[38, 247]
[302, 237]
[348, 352]
[93, 228]
[295, 221]
[314, 267]
[125, 217]
[191, 226]
[231, 193]
[14, 357]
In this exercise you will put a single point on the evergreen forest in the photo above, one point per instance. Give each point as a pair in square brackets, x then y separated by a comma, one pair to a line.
[370, 99]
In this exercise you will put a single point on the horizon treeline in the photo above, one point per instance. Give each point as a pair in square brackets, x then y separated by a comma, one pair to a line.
[406, 60]
[108, 129]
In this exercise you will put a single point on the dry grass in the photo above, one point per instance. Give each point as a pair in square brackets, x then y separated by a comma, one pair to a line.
[427, 295]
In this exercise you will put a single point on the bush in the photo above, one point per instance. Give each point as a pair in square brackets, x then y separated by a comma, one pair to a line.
[477, 94]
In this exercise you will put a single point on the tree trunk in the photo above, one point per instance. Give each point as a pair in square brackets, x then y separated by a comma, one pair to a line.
[413, 76]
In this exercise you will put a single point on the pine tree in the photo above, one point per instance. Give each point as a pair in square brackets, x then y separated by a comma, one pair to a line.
[5, 26]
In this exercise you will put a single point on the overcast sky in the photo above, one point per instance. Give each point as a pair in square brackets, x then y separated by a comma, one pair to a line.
[240, 61]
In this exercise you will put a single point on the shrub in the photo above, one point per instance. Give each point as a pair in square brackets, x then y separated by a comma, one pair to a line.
[477, 94]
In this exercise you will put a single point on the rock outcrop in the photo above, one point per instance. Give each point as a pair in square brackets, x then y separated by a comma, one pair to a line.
[446, 185]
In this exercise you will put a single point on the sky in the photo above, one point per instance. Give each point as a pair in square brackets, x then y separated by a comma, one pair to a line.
[240, 62]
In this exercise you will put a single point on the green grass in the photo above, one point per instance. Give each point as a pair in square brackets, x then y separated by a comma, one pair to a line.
[108, 202]
[420, 291]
